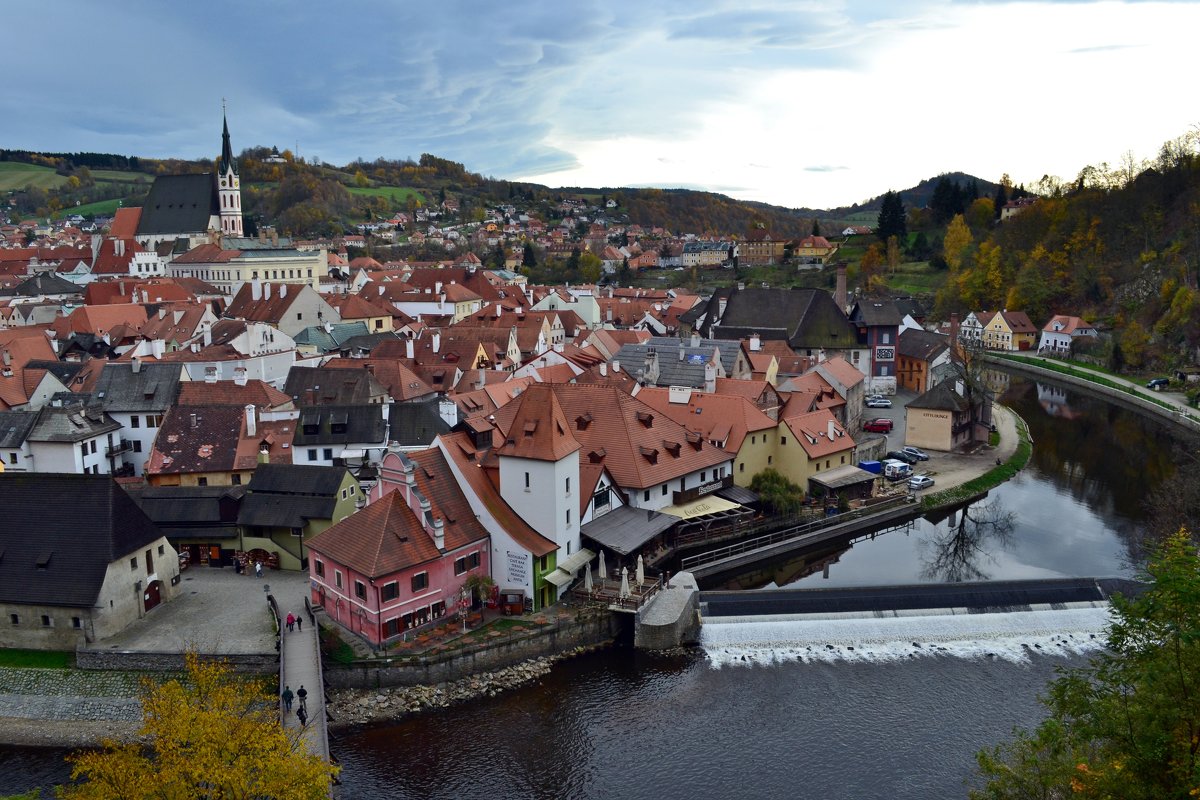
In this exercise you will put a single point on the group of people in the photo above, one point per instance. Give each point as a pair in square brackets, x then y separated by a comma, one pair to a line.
[301, 695]
[295, 622]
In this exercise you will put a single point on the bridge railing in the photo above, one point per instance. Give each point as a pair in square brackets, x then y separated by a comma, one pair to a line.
[787, 534]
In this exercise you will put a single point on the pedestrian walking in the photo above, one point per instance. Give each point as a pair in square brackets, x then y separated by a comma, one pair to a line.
[287, 699]
[299, 622]
[302, 695]
[258, 569]
[302, 715]
[291, 622]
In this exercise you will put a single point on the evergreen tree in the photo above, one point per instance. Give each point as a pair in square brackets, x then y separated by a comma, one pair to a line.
[891, 220]
[999, 200]
[528, 257]
[816, 227]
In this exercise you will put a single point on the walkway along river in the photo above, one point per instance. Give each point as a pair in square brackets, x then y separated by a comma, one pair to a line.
[766, 716]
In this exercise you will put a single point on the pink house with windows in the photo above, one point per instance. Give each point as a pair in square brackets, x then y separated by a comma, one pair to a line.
[401, 562]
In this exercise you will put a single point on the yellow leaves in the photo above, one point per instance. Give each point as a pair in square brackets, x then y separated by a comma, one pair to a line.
[210, 735]
[958, 239]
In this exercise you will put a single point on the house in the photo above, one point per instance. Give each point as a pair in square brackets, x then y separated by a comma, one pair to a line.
[878, 323]
[217, 445]
[923, 357]
[81, 562]
[288, 308]
[694, 362]
[340, 435]
[1061, 332]
[813, 249]
[288, 504]
[200, 522]
[945, 418]
[400, 563]
[310, 386]
[1010, 331]
[76, 437]
[231, 349]
[137, 396]
[237, 261]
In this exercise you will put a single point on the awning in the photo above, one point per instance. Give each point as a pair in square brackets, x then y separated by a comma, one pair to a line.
[737, 494]
[839, 477]
[576, 560]
[625, 529]
[353, 453]
[709, 504]
[558, 578]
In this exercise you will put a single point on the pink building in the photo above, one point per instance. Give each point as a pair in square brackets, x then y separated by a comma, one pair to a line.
[401, 562]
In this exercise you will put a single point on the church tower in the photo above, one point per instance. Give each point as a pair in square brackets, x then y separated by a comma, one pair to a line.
[229, 188]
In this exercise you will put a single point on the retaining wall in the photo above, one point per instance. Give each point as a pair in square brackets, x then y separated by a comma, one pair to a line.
[444, 667]
[249, 663]
[1130, 399]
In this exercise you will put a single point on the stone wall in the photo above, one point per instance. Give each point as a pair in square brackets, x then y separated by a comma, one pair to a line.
[489, 656]
[250, 663]
[672, 618]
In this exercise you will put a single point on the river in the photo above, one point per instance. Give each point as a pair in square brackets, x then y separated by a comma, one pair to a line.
[806, 708]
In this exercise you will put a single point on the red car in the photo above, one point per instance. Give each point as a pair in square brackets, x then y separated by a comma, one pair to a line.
[881, 425]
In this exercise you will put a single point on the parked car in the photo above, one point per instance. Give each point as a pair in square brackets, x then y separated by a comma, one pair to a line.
[1158, 384]
[878, 401]
[900, 455]
[915, 452]
[920, 482]
[881, 425]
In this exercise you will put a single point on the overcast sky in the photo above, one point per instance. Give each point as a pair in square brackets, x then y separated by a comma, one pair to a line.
[815, 104]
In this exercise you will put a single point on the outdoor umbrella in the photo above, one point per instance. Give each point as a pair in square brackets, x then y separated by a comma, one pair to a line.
[603, 572]
[641, 571]
[587, 579]
[625, 582]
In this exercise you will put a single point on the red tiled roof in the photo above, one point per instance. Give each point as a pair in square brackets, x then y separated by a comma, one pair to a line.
[539, 430]
[437, 483]
[381, 539]
[812, 432]
[230, 393]
[732, 417]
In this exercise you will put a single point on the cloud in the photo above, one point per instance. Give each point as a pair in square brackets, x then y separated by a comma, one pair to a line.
[1105, 48]
[824, 168]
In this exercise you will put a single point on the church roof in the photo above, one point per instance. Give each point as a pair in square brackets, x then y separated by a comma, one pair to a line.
[179, 204]
[227, 164]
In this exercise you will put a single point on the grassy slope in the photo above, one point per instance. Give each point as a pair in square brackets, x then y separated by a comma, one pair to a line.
[15, 175]
[397, 194]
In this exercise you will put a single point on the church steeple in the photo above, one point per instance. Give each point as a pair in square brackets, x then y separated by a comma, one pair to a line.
[229, 188]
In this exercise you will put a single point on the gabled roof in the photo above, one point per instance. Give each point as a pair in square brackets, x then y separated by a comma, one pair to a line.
[922, 345]
[436, 482]
[231, 393]
[876, 313]
[806, 318]
[179, 204]
[941, 398]
[416, 424]
[340, 424]
[322, 385]
[381, 539]
[61, 533]
[725, 419]
[71, 422]
[213, 439]
[811, 431]
[15, 427]
[151, 387]
[289, 495]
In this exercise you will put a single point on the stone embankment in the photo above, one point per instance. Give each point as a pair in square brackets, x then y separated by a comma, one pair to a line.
[351, 707]
[67, 707]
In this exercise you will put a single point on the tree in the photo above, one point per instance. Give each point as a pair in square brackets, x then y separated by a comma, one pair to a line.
[893, 254]
[590, 266]
[869, 277]
[816, 227]
[528, 256]
[1128, 724]
[958, 239]
[779, 494]
[891, 218]
[209, 735]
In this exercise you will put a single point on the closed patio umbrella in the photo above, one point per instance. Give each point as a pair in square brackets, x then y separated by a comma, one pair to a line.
[625, 583]
[641, 571]
[587, 579]
[602, 571]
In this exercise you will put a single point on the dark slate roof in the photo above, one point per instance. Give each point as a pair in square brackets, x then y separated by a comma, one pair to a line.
[15, 427]
[340, 424]
[76, 525]
[43, 283]
[874, 313]
[71, 423]
[296, 479]
[331, 386]
[911, 307]
[694, 314]
[189, 505]
[367, 342]
[65, 371]
[942, 398]
[805, 318]
[153, 387]
[329, 340]
[179, 204]
[416, 424]
[283, 511]
[625, 529]
[922, 345]
[672, 371]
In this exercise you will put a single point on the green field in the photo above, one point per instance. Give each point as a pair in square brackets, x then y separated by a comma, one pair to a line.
[103, 207]
[120, 176]
[14, 176]
[397, 194]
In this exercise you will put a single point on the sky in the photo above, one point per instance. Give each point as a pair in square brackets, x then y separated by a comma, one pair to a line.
[798, 104]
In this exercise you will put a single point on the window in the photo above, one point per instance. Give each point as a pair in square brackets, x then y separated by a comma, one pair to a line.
[769, 458]
[360, 590]
[664, 490]
[12, 458]
[753, 440]
[337, 578]
[202, 481]
[237, 479]
[161, 550]
[312, 454]
[320, 568]
[782, 441]
[137, 446]
[527, 481]
[352, 490]
[420, 581]
[742, 467]
[568, 486]
[343, 494]
[328, 453]
[45, 620]
[76, 622]
[391, 628]
[390, 591]
[299, 315]
[14, 619]
[133, 564]
[568, 525]
[135, 421]
[460, 565]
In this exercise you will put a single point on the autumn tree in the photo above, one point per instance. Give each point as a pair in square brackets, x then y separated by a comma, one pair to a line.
[869, 277]
[208, 735]
[893, 254]
[1128, 724]
[958, 239]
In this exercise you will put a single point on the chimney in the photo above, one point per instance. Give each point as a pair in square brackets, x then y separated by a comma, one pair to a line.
[408, 348]
[682, 355]
[839, 294]
[251, 421]
[239, 376]
[695, 340]
[145, 295]
[755, 343]
[208, 337]
[439, 533]
[830, 432]
[954, 331]
[7, 359]
[437, 341]
[710, 377]
[437, 287]
[195, 421]
[480, 382]
[603, 369]
[135, 364]
[255, 290]
[274, 237]
[282, 290]
[447, 410]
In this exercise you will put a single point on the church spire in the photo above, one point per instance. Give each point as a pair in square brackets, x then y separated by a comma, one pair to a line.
[227, 163]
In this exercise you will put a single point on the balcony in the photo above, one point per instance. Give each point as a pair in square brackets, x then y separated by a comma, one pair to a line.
[117, 448]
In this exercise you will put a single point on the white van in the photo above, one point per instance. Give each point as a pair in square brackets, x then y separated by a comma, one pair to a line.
[895, 470]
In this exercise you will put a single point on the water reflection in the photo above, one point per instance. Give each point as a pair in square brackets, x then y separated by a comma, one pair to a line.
[970, 540]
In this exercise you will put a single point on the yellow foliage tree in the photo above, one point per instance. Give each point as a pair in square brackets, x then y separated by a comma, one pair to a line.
[207, 736]
[958, 239]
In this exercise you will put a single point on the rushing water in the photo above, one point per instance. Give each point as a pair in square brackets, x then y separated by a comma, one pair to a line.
[784, 708]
